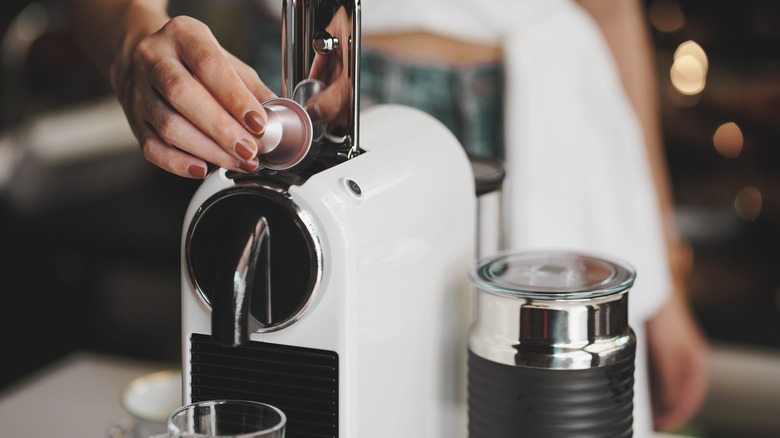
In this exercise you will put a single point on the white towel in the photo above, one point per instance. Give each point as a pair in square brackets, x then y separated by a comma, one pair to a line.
[578, 173]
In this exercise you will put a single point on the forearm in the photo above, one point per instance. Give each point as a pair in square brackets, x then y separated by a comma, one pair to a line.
[109, 29]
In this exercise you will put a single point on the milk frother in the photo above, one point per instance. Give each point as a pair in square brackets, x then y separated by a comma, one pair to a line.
[550, 352]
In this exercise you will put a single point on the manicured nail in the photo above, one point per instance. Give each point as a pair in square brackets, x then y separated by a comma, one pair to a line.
[245, 149]
[249, 166]
[196, 171]
[254, 122]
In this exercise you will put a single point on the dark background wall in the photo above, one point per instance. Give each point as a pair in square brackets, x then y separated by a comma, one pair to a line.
[728, 202]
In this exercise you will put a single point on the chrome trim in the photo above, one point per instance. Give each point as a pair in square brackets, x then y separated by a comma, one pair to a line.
[552, 334]
[552, 309]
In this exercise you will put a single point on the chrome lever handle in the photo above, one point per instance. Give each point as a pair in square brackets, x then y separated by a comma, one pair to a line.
[321, 43]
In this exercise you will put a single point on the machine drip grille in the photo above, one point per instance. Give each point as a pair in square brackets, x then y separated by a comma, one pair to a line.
[302, 382]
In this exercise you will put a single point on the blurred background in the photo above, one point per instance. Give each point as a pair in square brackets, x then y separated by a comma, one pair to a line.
[90, 232]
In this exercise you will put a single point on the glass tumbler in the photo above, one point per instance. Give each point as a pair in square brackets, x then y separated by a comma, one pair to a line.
[226, 419]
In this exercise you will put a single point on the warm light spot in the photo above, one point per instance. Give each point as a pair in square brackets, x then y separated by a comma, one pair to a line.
[666, 15]
[688, 75]
[748, 203]
[689, 70]
[692, 49]
[728, 140]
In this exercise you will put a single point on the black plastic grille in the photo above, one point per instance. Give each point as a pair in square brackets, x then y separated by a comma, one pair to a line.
[302, 382]
[511, 401]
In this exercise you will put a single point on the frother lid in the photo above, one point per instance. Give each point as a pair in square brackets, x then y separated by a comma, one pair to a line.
[551, 275]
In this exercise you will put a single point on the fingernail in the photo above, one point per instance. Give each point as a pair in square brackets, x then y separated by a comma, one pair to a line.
[246, 150]
[249, 166]
[195, 171]
[255, 122]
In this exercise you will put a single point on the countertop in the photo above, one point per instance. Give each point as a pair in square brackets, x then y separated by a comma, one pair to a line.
[76, 397]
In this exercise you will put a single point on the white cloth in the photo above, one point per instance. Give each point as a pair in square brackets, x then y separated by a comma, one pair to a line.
[578, 171]
[578, 175]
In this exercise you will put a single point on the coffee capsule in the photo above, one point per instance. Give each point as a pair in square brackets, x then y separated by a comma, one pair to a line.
[288, 134]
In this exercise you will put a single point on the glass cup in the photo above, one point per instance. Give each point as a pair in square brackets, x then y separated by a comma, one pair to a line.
[226, 419]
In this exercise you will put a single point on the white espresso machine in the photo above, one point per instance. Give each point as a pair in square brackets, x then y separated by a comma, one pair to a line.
[335, 288]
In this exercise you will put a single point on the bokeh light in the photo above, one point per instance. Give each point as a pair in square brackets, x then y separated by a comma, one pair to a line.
[693, 49]
[689, 69]
[666, 15]
[748, 203]
[728, 140]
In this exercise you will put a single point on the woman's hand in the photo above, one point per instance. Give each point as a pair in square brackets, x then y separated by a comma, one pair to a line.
[678, 352]
[189, 101]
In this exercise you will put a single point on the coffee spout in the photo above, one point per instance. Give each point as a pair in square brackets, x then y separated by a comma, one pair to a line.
[231, 308]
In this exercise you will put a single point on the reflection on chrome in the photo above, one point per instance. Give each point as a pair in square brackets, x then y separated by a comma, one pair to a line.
[728, 140]
[321, 43]
[748, 203]
[689, 70]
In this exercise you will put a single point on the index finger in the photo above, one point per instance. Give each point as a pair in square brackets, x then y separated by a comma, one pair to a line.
[209, 63]
[251, 80]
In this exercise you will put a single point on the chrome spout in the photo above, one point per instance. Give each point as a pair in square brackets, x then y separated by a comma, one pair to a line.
[231, 308]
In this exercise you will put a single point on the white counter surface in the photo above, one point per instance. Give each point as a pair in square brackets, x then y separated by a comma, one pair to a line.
[76, 397]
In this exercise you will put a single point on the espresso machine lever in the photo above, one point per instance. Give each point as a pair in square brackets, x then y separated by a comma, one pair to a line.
[321, 67]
